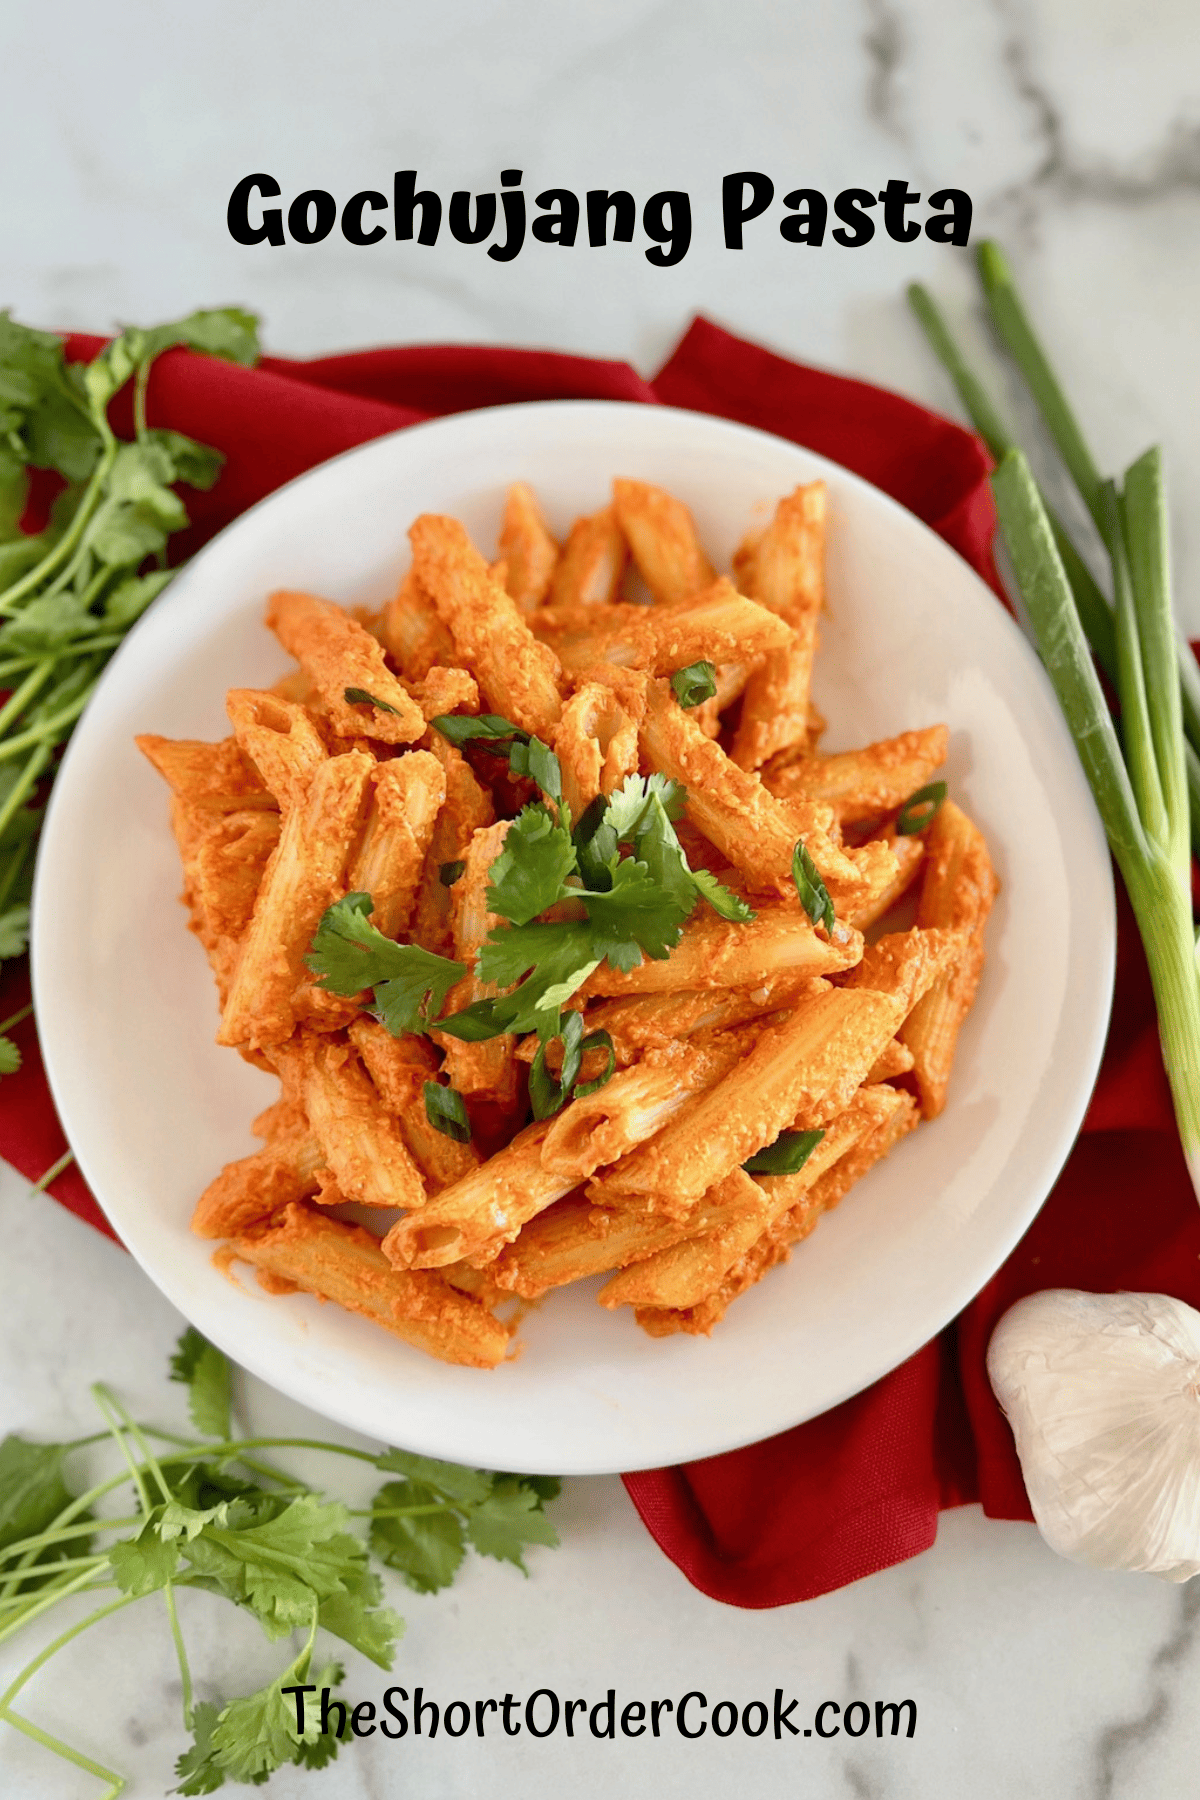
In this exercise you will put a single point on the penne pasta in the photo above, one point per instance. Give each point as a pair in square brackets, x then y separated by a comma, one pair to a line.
[661, 534]
[862, 784]
[340, 657]
[592, 562]
[958, 890]
[784, 571]
[407, 795]
[528, 551]
[517, 676]
[307, 1249]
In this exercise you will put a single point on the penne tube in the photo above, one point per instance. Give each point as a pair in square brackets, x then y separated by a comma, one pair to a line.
[407, 793]
[637, 1103]
[894, 1059]
[862, 784]
[413, 633]
[958, 890]
[574, 1239]
[907, 854]
[467, 808]
[774, 1246]
[738, 1211]
[400, 1067]
[444, 690]
[652, 1021]
[662, 536]
[488, 1067]
[307, 1249]
[224, 860]
[305, 874]
[757, 832]
[592, 562]
[784, 571]
[905, 964]
[800, 1074]
[717, 625]
[473, 1220]
[529, 553]
[683, 1273]
[278, 738]
[517, 676]
[781, 944]
[361, 1143]
[338, 654]
[596, 742]
[207, 777]
[255, 1187]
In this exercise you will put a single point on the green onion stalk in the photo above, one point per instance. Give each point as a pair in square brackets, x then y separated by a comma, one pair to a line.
[1146, 782]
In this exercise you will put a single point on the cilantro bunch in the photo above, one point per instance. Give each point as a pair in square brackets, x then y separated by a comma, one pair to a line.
[70, 593]
[212, 1513]
[621, 870]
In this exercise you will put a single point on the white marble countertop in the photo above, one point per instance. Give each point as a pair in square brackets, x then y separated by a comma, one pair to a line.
[1076, 128]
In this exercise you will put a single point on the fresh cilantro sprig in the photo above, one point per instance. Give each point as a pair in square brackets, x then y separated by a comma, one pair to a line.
[218, 1516]
[409, 984]
[70, 593]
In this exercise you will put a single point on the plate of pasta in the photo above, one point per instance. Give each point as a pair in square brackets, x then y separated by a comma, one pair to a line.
[662, 941]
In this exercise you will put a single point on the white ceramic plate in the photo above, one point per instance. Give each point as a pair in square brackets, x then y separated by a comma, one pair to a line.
[153, 1108]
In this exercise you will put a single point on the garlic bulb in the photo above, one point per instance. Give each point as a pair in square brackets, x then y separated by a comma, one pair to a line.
[1103, 1395]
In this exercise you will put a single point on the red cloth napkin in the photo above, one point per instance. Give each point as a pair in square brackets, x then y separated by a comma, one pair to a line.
[860, 1488]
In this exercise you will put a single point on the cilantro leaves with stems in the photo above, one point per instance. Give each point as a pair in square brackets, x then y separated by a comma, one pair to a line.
[631, 906]
[217, 1516]
[70, 593]
[695, 684]
[814, 895]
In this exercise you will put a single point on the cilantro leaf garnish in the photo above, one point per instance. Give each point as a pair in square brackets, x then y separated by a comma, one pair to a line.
[920, 808]
[349, 954]
[207, 1376]
[696, 683]
[359, 697]
[814, 895]
[786, 1156]
[530, 873]
[446, 1112]
[421, 1524]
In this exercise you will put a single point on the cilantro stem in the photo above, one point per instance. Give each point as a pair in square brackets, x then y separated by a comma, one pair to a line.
[25, 782]
[141, 382]
[53, 1172]
[66, 544]
[38, 734]
[117, 1782]
[17, 1017]
[100, 1394]
[16, 863]
[20, 697]
[46, 1598]
[86, 1528]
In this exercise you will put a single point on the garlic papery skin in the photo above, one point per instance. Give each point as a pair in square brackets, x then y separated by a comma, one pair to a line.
[1103, 1395]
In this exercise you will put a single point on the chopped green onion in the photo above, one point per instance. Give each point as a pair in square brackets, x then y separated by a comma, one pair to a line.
[449, 873]
[696, 683]
[446, 1112]
[920, 809]
[814, 895]
[360, 697]
[786, 1156]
